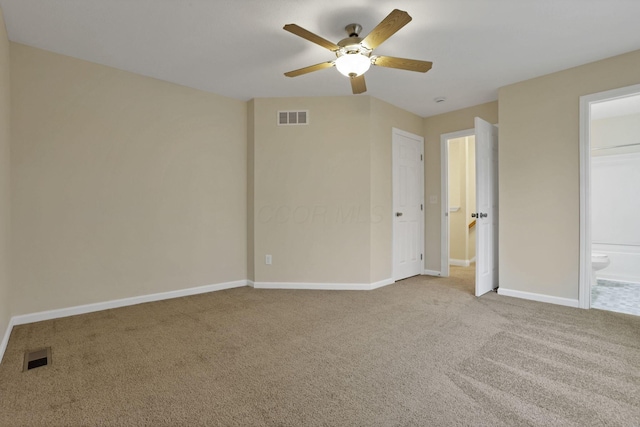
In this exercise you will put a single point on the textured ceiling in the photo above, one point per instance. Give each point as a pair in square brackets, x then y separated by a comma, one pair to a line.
[238, 48]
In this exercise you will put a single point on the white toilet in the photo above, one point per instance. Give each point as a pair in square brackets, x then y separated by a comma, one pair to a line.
[598, 262]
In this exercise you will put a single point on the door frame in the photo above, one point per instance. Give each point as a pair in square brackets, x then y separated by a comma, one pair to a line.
[444, 196]
[421, 240]
[584, 280]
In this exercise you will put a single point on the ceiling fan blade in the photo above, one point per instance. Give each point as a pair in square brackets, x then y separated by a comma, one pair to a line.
[358, 85]
[388, 27]
[309, 69]
[308, 35]
[403, 64]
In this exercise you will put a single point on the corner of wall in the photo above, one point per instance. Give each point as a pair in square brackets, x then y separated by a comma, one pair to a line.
[250, 189]
[5, 196]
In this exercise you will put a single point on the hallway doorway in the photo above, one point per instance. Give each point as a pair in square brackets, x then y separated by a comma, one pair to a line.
[459, 202]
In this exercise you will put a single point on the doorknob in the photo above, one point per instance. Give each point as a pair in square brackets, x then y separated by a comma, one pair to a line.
[482, 215]
[474, 215]
[398, 213]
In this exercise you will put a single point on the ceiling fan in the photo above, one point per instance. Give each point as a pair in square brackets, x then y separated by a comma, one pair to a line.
[354, 54]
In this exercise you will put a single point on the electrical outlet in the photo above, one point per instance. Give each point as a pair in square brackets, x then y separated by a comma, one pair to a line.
[267, 259]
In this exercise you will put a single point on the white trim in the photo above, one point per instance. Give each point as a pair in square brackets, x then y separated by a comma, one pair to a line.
[584, 269]
[431, 273]
[99, 306]
[90, 308]
[538, 297]
[5, 339]
[459, 262]
[382, 283]
[584, 280]
[444, 195]
[323, 286]
[406, 134]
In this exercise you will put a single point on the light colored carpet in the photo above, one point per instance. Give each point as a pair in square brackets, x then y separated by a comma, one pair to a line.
[424, 351]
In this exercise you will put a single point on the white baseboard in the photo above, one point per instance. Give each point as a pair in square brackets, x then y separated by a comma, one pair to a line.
[432, 273]
[89, 308]
[539, 297]
[459, 262]
[5, 339]
[382, 283]
[322, 286]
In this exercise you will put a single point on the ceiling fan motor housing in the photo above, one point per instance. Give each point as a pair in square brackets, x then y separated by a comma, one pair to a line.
[353, 30]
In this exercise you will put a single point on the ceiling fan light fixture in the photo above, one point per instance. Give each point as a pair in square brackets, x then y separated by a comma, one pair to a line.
[354, 54]
[353, 64]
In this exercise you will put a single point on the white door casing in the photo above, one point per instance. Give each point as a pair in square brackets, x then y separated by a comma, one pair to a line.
[408, 204]
[586, 101]
[487, 206]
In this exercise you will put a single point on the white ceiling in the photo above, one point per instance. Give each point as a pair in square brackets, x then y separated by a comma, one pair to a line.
[238, 48]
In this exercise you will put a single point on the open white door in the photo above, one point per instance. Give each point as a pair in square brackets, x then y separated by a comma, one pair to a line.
[408, 204]
[487, 207]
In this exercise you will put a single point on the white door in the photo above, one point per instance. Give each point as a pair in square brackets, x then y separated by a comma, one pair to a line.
[486, 206]
[408, 204]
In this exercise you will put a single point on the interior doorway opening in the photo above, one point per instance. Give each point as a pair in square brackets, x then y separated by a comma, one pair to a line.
[462, 201]
[459, 201]
[610, 170]
[485, 229]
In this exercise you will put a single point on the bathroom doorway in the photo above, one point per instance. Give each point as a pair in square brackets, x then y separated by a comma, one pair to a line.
[459, 187]
[610, 173]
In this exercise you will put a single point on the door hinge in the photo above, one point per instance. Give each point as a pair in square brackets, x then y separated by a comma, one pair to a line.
[420, 256]
[420, 157]
[421, 207]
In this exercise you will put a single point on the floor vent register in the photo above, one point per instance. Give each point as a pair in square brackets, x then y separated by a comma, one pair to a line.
[36, 358]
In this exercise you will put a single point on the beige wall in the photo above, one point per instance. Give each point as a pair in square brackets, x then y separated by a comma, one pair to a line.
[539, 174]
[323, 195]
[312, 191]
[5, 103]
[434, 127]
[122, 185]
[384, 117]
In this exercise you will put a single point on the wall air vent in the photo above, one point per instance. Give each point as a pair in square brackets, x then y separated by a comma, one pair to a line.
[293, 118]
[36, 358]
